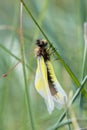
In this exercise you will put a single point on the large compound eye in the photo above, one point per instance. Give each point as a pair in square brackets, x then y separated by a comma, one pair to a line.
[44, 42]
[38, 42]
[41, 43]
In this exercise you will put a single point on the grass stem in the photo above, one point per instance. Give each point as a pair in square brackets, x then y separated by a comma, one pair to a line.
[24, 71]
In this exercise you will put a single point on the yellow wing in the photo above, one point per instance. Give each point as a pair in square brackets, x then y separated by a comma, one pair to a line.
[60, 97]
[41, 83]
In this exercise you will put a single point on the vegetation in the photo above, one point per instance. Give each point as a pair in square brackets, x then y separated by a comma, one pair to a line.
[61, 23]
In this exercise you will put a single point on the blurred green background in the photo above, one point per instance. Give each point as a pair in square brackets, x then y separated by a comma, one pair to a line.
[63, 23]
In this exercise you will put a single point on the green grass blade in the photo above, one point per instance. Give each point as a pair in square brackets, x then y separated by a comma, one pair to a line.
[28, 102]
[69, 122]
[14, 56]
[41, 18]
[7, 51]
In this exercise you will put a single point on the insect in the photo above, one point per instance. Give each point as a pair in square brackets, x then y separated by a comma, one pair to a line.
[46, 82]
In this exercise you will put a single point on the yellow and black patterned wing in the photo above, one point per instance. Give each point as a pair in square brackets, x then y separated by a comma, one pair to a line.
[59, 95]
[41, 83]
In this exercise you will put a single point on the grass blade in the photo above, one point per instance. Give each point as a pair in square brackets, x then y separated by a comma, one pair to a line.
[69, 122]
[14, 56]
[24, 71]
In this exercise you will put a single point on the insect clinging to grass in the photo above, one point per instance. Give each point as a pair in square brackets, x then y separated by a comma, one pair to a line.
[46, 82]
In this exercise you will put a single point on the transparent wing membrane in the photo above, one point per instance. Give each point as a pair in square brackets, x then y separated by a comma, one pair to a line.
[41, 83]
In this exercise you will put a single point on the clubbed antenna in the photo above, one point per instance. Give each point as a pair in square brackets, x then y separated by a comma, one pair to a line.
[6, 74]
